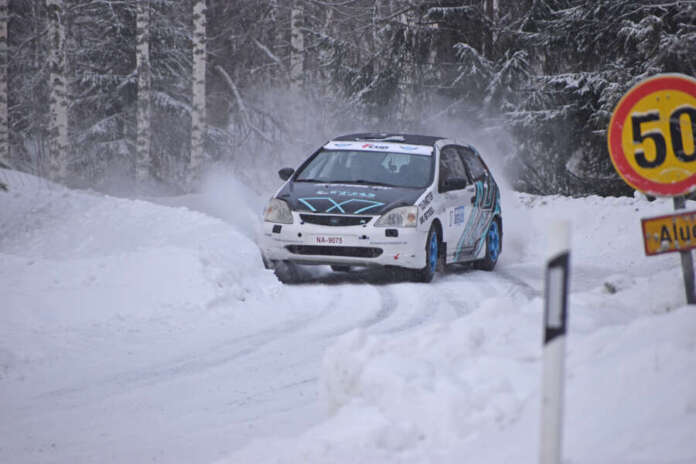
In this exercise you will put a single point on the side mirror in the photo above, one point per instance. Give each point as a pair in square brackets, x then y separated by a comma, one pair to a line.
[285, 173]
[456, 183]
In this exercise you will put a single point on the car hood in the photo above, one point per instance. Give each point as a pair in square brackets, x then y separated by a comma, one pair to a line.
[346, 198]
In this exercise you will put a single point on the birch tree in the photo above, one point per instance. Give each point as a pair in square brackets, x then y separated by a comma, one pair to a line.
[142, 52]
[198, 114]
[489, 15]
[276, 41]
[296, 45]
[4, 139]
[58, 122]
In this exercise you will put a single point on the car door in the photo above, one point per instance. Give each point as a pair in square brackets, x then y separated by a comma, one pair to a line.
[483, 203]
[456, 195]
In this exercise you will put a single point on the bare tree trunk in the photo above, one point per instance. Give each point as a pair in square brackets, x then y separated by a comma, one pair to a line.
[323, 74]
[58, 124]
[278, 40]
[490, 10]
[142, 160]
[296, 45]
[4, 120]
[198, 115]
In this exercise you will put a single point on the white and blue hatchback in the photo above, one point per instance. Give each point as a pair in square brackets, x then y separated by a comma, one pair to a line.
[394, 200]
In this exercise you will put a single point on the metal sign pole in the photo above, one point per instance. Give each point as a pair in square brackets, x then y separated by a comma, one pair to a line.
[686, 260]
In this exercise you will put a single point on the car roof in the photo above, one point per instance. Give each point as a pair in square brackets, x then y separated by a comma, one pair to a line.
[411, 139]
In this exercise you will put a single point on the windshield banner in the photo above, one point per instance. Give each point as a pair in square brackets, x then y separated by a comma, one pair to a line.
[381, 147]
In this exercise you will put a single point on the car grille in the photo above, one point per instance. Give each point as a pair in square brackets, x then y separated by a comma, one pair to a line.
[357, 252]
[335, 220]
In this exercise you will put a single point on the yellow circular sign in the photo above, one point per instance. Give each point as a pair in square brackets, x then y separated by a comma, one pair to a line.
[652, 135]
[662, 102]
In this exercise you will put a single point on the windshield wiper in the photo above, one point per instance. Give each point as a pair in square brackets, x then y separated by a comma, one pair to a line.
[319, 181]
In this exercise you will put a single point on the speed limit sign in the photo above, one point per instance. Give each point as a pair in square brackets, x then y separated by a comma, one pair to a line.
[652, 135]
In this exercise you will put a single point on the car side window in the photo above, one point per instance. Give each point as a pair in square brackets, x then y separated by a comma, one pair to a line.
[476, 168]
[451, 166]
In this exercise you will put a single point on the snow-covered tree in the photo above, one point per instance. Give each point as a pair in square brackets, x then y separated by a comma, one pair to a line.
[595, 51]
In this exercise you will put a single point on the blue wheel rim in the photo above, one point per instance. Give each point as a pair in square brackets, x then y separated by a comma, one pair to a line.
[433, 252]
[493, 241]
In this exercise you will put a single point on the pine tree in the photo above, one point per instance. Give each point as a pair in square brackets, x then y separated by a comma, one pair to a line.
[595, 51]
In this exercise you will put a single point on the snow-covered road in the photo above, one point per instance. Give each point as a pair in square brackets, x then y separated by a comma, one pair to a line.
[141, 332]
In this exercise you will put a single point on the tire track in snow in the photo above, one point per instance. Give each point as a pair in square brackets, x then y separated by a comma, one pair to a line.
[488, 285]
[234, 349]
[261, 394]
[213, 356]
[387, 307]
[425, 309]
[519, 286]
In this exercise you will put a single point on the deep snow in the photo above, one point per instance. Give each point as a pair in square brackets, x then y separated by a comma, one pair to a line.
[132, 331]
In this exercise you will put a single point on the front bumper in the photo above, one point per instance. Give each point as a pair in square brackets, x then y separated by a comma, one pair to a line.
[358, 245]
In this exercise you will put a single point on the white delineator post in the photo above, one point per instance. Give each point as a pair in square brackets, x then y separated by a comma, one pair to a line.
[555, 320]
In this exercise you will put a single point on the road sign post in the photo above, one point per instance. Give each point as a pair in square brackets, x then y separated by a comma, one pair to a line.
[652, 144]
[686, 260]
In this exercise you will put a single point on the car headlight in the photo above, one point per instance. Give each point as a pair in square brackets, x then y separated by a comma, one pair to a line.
[405, 216]
[277, 211]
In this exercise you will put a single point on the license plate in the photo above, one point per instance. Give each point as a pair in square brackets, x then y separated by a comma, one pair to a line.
[328, 240]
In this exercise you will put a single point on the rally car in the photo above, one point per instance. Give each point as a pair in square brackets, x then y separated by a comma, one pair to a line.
[412, 202]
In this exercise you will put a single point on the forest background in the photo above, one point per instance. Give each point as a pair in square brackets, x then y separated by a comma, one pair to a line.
[532, 82]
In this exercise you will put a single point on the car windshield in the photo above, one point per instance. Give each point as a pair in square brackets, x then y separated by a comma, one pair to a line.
[368, 167]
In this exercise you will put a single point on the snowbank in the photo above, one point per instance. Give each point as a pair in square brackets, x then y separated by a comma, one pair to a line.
[468, 391]
[104, 300]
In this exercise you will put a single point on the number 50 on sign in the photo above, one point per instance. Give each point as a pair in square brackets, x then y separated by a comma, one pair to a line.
[652, 135]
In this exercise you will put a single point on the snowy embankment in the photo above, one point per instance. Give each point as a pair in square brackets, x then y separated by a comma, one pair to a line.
[468, 390]
[74, 264]
[136, 332]
[114, 316]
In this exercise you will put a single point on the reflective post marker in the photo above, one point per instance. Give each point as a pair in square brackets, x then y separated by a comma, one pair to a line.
[555, 319]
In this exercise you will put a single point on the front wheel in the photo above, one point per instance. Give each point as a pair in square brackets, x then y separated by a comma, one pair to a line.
[493, 246]
[432, 252]
[286, 272]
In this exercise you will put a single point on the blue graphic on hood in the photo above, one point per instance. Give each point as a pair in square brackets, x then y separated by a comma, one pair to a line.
[318, 203]
[346, 198]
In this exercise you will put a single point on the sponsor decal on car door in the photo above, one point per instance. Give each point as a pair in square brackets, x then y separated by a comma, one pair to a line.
[484, 192]
[456, 198]
[470, 216]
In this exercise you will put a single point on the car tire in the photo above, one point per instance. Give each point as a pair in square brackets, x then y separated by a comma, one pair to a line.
[494, 241]
[340, 268]
[432, 257]
[286, 272]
